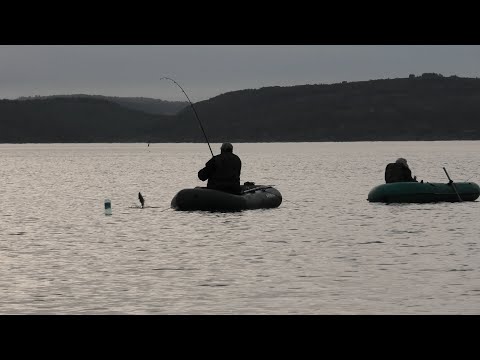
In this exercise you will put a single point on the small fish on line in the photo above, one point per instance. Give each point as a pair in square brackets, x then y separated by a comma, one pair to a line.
[142, 200]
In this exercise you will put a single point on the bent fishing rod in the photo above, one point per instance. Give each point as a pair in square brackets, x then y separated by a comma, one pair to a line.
[201, 127]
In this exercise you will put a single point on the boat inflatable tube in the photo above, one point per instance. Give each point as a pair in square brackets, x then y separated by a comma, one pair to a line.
[418, 192]
[201, 198]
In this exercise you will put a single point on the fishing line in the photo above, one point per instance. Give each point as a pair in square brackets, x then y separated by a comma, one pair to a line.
[201, 126]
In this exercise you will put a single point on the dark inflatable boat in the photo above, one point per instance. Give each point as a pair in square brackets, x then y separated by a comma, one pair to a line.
[251, 197]
[419, 192]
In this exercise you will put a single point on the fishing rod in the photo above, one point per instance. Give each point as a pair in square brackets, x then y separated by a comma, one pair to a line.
[201, 127]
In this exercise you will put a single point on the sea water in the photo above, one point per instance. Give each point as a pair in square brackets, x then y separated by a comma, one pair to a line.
[325, 250]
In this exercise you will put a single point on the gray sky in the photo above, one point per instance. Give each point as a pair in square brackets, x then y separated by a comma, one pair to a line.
[205, 71]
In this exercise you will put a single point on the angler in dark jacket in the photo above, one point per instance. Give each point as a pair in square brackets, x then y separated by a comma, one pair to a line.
[399, 172]
[223, 171]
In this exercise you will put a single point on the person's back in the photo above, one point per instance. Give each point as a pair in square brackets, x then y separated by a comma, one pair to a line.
[223, 171]
[398, 172]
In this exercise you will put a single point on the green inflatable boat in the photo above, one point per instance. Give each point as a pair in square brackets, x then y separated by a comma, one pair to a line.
[252, 197]
[424, 192]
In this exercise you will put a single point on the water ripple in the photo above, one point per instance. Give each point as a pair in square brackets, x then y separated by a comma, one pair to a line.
[60, 254]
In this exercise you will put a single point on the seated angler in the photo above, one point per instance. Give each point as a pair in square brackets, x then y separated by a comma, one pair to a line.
[223, 171]
[399, 172]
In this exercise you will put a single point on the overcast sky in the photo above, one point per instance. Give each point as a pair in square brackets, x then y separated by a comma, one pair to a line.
[205, 71]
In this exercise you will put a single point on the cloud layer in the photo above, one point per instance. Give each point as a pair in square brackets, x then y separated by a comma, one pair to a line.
[205, 71]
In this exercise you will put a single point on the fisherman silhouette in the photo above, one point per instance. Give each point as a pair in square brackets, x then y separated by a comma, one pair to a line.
[142, 200]
[223, 171]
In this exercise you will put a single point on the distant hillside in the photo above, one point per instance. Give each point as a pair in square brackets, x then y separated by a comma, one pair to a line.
[148, 105]
[73, 119]
[427, 107]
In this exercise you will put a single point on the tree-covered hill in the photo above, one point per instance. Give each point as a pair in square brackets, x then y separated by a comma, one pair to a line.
[426, 107]
[76, 120]
[429, 107]
[148, 105]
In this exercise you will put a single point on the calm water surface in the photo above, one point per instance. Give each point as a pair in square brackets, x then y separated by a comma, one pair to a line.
[325, 250]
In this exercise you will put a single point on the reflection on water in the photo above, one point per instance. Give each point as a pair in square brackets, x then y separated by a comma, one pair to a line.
[325, 250]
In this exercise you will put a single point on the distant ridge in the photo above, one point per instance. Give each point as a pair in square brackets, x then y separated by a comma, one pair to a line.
[148, 105]
[425, 107]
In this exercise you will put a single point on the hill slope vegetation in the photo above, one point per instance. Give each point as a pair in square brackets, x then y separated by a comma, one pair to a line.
[427, 107]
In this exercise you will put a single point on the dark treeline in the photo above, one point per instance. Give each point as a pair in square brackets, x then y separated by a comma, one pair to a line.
[426, 107]
[430, 107]
[74, 120]
[148, 105]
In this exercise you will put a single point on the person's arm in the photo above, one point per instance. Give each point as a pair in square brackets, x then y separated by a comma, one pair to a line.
[207, 171]
[410, 178]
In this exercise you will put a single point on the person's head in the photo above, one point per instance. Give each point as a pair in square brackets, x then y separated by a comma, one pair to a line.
[402, 161]
[226, 147]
